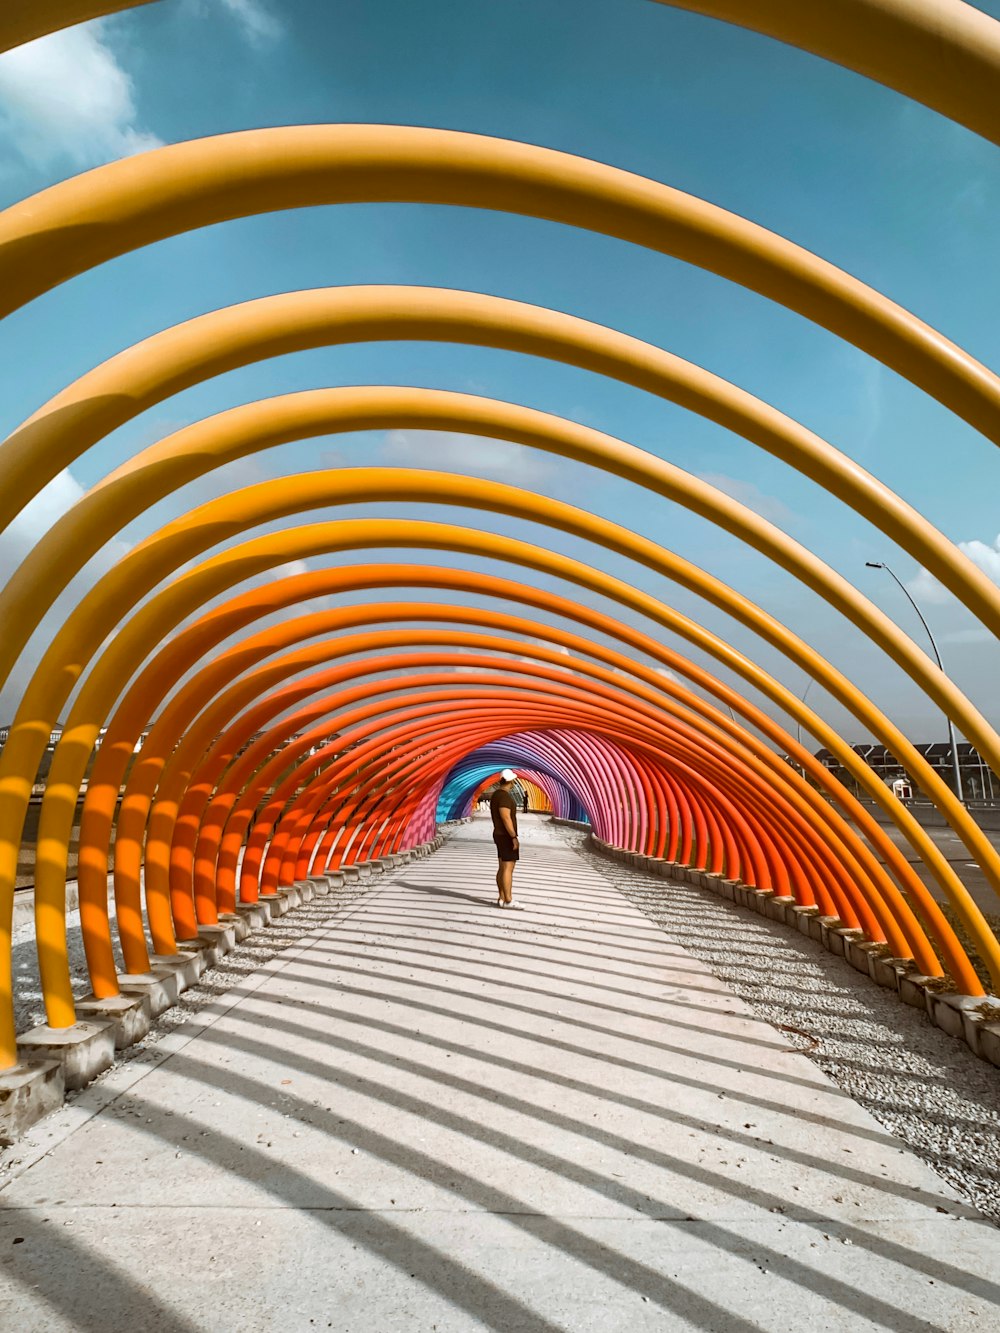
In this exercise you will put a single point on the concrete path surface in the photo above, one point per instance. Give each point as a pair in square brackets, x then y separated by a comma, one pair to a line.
[435, 1115]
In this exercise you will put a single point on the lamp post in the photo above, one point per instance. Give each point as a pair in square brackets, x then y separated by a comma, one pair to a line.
[956, 766]
[798, 725]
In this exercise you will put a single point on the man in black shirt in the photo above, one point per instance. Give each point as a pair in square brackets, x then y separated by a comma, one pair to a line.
[503, 809]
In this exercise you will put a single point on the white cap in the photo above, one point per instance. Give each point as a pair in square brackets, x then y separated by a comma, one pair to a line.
[508, 775]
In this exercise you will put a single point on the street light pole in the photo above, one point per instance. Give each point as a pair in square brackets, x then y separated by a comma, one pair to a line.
[956, 765]
[798, 725]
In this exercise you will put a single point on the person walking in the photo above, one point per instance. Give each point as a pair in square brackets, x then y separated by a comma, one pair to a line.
[503, 810]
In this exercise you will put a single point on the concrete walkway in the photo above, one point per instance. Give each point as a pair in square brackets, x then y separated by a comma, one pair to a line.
[434, 1115]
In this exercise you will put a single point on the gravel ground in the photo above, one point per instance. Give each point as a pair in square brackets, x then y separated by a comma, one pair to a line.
[924, 1086]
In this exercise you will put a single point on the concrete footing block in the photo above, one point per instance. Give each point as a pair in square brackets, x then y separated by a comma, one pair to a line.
[275, 903]
[956, 1015]
[774, 907]
[204, 950]
[28, 1091]
[857, 953]
[972, 1029]
[835, 942]
[256, 916]
[989, 1043]
[217, 941]
[802, 917]
[336, 880]
[222, 932]
[160, 986]
[350, 874]
[305, 889]
[885, 971]
[197, 950]
[239, 924]
[291, 896]
[129, 1015]
[913, 990]
[788, 914]
[320, 884]
[838, 937]
[85, 1050]
[186, 967]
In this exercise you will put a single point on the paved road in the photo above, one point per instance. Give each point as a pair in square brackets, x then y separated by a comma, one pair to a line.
[964, 866]
[434, 1115]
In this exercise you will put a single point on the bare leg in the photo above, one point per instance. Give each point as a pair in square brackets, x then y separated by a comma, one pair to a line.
[505, 876]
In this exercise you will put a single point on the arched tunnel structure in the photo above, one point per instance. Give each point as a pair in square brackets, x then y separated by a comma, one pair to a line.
[233, 759]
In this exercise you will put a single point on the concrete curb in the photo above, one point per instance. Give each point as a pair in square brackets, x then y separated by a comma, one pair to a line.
[974, 1019]
[54, 1061]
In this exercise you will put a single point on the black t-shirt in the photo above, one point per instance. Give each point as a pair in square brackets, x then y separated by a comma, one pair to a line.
[502, 800]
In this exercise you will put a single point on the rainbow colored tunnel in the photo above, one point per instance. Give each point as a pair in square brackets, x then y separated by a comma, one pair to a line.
[226, 733]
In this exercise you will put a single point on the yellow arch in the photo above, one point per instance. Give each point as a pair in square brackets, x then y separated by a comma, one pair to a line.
[939, 52]
[25, 20]
[168, 362]
[243, 430]
[111, 210]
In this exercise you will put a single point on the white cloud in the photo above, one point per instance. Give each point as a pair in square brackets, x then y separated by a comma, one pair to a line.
[750, 495]
[37, 516]
[257, 22]
[291, 569]
[924, 585]
[470, 455]
[985, 556]
[66, 96]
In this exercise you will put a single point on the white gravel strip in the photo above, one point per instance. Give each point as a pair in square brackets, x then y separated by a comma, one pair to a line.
[924, 1086]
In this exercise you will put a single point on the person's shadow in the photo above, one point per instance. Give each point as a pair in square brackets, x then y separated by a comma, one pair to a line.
[444, 893]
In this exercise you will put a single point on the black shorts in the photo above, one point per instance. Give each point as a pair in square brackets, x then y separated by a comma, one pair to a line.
[506, 851]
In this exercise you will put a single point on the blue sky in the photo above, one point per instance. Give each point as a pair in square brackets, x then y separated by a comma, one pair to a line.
[886, 189]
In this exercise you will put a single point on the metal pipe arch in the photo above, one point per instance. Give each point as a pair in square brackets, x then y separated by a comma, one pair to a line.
[477, 493]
